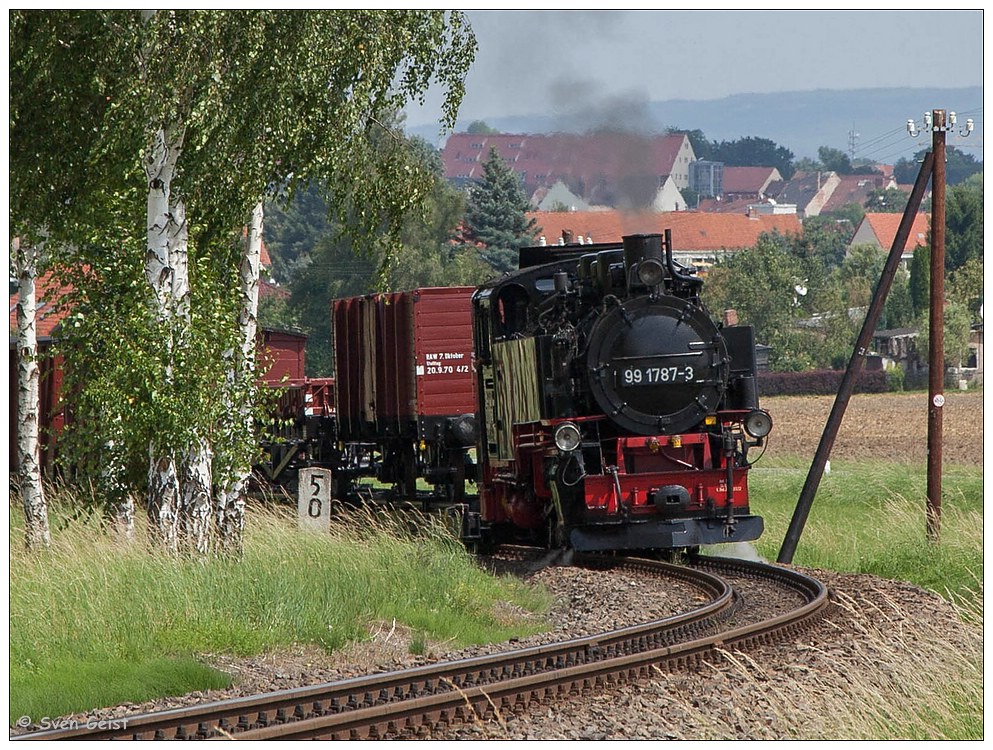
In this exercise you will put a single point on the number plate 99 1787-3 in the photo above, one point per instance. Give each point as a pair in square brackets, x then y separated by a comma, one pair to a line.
[654, 375]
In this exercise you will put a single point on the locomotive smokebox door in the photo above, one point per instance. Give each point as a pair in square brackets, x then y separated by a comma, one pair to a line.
[656, 365]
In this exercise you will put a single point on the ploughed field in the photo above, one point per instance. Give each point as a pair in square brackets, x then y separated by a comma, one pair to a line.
[878, 426]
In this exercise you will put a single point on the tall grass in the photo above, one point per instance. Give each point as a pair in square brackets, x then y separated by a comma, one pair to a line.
[923, 678]
[95, 621]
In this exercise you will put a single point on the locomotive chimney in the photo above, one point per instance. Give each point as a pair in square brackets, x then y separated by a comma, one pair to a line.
[643, 260]
[639, 247]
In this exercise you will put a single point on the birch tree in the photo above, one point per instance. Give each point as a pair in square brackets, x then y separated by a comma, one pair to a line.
[46, 179]
[215, 110]
[24, 262]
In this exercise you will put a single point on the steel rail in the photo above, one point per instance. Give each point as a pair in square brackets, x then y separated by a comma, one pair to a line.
[482, 701]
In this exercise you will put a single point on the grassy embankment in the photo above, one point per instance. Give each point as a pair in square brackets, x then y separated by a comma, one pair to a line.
[94, 622]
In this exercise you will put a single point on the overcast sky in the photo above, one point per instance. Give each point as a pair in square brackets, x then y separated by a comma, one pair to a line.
[532, 62]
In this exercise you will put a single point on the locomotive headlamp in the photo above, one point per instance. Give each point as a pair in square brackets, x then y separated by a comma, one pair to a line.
[758, 423]
[567, 437]
[650, 272]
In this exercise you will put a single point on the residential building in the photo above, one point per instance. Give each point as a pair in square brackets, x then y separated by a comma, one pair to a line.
[668, 197]
[749, 183]
[603, 168]
[879, 230]
[557, 198]
[855, 188]
[707, 178]
[809, 191]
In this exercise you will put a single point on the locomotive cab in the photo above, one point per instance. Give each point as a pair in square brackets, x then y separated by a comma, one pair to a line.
[614, 413]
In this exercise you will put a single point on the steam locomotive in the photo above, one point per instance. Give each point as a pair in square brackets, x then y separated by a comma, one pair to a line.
[588, 396]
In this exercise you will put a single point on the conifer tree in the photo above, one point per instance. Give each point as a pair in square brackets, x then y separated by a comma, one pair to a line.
[496, 214]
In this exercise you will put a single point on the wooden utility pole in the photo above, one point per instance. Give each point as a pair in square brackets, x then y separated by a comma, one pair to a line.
[862, 346]
[936, 334]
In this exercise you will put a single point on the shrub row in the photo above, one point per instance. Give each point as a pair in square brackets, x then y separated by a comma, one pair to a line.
[818, 383]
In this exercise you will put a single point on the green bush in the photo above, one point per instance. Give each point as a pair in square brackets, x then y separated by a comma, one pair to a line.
[896, 376]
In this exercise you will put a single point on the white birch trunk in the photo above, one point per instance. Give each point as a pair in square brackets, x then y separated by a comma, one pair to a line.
[160, 168]
[164, 495]
[195, 481]
[120, 501]
[163, 500]
[231, 494]
[195, 476]
[36, 529]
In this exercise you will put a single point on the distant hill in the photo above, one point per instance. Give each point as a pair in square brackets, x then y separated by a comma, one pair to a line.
[802, 121]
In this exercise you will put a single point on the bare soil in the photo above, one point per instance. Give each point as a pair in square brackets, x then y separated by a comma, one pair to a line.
[878, 426]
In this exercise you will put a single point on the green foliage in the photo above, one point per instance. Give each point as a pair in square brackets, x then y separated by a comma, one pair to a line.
[293, 228]
[899, 309]
[754, 152]
[957, 328]
[889, 201]
[818, 328]
[920, 278]
[496, 214]
[806, 164]
[58, 110]
[826, 238]
[258, 99]
[275, 312]
[327, 265]
[959, 166]
[850, 213]
[834, 160]
[896, 377]
[759, 282]
[479, 127]
[860, 272]
[963, 223]
[290, 588]
[965, 286]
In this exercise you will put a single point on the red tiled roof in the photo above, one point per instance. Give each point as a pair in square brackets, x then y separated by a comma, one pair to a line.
[746, 179]
[691, 230]
[885, 227]
[853, 188]
[547, 158]
[268, 289]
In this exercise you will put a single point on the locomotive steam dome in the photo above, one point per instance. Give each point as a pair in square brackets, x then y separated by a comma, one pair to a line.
[657, 364]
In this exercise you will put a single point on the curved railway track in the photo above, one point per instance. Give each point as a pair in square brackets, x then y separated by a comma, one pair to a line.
[411, 702]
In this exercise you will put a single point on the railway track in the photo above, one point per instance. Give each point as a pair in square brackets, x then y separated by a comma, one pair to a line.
[412, 702]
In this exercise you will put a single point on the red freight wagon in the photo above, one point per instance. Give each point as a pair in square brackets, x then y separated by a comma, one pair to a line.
[403, 361]
[282, 355]
[405, 381]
